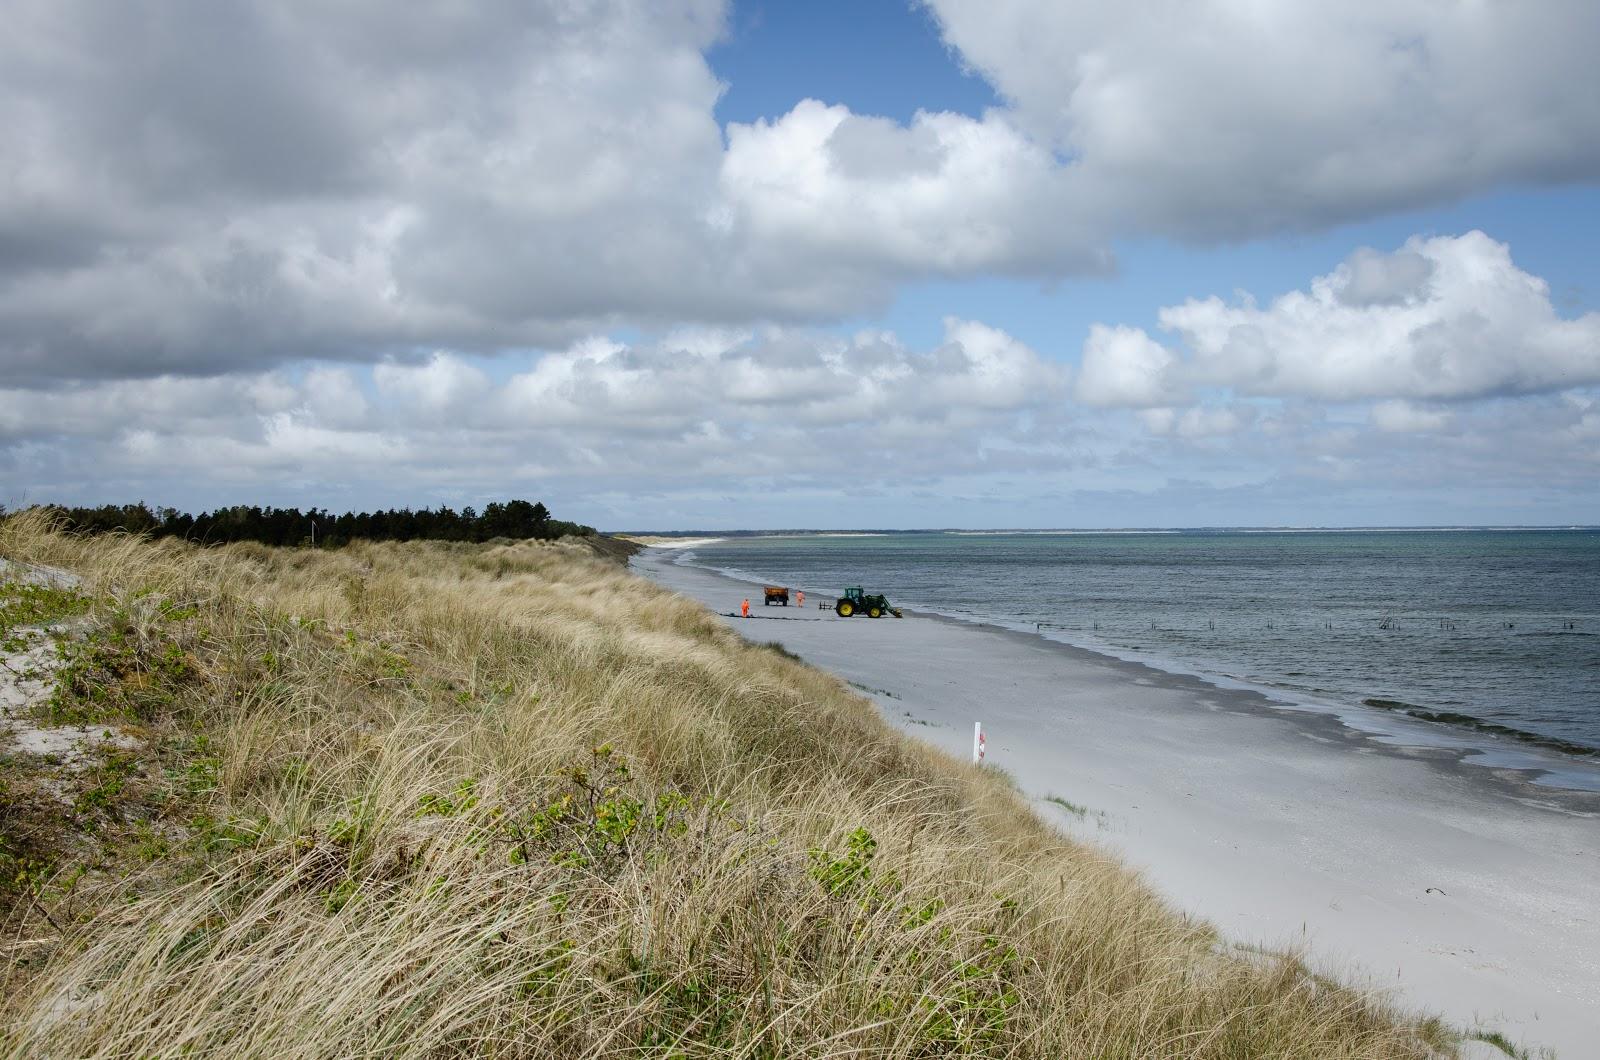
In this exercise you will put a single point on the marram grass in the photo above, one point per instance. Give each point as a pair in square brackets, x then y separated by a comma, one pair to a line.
[433, 800]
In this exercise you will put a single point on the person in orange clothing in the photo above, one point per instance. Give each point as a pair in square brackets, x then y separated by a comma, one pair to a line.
[744, 608]
[800, 598]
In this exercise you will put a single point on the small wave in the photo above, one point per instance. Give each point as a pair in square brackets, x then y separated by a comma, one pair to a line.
[1467, 721]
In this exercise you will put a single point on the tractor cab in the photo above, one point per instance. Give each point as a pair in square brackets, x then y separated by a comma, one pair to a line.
[853, 594]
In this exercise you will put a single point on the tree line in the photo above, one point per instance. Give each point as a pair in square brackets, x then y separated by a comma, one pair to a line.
[291, 526]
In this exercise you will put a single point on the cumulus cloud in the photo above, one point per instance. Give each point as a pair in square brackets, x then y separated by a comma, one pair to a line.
[193, 188]
[441, 386]
[945, 195]
[1438, 370]
[1125, 366]
[1217, 119]
[1442, 318]
[282, 245]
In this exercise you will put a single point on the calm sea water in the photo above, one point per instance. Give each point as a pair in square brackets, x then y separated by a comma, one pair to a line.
[1474, 629]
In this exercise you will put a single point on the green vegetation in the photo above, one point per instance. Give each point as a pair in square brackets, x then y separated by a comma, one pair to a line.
[132, 666]
[291, 526]
[1066, 804]
[27, 608]
[1502, 1043]
[778, 649]
[108, 680]
[440, 799]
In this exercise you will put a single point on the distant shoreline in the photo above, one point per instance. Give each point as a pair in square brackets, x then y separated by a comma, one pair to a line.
[653, 536]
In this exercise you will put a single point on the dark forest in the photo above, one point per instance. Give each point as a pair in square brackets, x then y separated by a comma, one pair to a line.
[291, 526]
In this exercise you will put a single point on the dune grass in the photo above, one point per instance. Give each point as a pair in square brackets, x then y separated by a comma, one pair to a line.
[436, 800]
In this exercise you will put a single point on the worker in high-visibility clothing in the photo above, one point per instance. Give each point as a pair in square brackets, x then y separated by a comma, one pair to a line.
[744, 608]
[800, 598]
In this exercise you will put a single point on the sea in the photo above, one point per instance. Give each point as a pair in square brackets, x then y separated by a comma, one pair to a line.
[1493, 632]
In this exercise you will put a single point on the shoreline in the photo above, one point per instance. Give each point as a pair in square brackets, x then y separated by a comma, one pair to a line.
[1459, 751]
[1467, 886]
[1521, 782]
[1523, 764]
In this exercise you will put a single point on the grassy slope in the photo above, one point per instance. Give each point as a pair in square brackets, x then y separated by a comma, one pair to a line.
[429, 799]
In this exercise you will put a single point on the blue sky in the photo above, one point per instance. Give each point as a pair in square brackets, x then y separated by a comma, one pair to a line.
[699, 264]
[877, 58]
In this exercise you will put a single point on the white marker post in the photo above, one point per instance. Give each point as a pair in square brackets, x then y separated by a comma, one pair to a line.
[977, 743]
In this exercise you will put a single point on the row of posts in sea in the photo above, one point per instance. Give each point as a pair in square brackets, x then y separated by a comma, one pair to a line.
[1387, 623]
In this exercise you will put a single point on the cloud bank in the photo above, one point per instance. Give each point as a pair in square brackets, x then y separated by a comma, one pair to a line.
[693, 408]
[194, 188]
[508, 246]
[1437, 369]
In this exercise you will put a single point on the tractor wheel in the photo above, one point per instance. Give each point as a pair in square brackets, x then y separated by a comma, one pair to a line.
[845, 609]
[874, 612]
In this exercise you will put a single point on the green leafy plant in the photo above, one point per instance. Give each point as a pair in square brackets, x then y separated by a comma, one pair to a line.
[600, 821]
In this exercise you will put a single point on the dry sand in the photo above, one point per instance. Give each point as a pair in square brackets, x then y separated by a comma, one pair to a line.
[27, 675]
[1471, 892]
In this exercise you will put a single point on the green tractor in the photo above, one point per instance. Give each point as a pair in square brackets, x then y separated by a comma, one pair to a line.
[856, 602]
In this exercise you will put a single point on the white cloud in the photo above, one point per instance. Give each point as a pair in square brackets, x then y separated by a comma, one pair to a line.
[1202, 421]
[247, 184]
[1213, 118]
[1402, 417]
[193, 191]
[792, 377]
[294, 442]
[987, 368]
[442, 383]
[334, 398]
[274, 243]
[704, 405]
[1371, 278]
[1443, 318]
[788, 427]
[945, 195]
[1583, 427]
[1125, 366]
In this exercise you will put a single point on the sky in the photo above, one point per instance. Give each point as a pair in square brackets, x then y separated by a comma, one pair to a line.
[708, 265]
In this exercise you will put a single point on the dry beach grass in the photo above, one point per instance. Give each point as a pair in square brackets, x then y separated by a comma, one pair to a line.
[509, 800]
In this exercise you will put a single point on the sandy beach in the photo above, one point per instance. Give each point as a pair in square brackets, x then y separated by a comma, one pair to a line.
[1470, 892]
